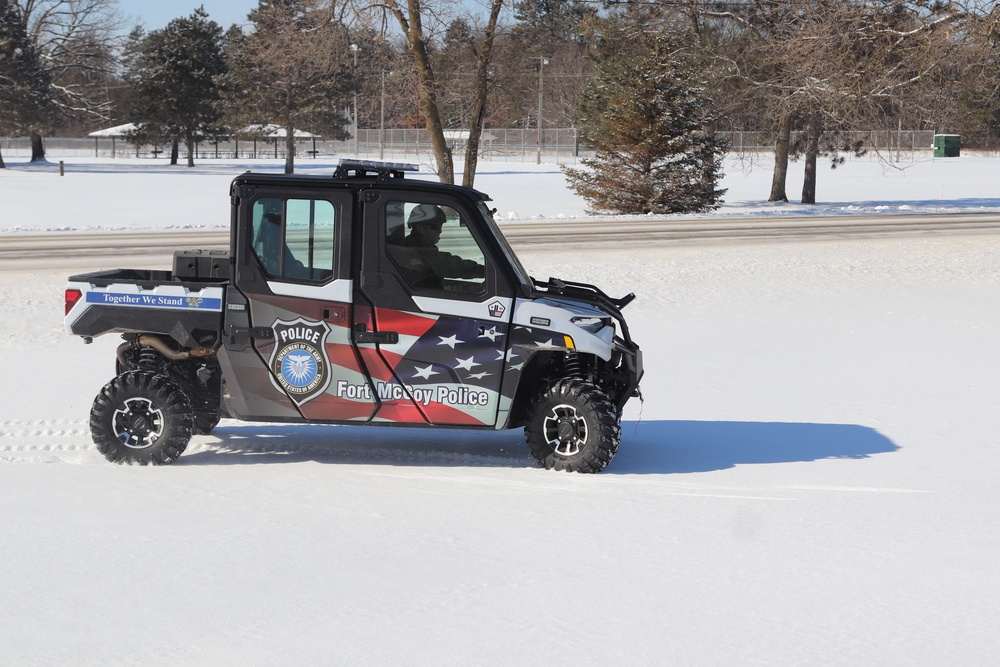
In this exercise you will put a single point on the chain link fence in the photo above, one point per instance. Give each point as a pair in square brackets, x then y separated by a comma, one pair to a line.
[557, 145]
[906, 141]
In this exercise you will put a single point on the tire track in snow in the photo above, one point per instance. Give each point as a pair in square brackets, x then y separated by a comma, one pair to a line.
[43, 441]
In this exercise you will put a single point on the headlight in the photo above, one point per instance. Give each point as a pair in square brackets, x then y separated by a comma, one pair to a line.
[591, 324]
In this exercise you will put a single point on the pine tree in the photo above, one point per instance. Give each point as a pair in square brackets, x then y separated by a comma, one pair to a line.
[648, 122]
[554, 34]
[172, 74]
[25, 86]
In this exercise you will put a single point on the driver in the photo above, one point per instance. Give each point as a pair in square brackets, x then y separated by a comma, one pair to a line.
[418, 256]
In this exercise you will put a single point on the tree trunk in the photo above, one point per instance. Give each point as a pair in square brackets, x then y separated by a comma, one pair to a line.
[413, 27]
[478, 114]
[37, 148]
[2, 165]
[189, 142]
[812, 152]
[781, 160]
[174, 150]
[289, 150]
[472, 148]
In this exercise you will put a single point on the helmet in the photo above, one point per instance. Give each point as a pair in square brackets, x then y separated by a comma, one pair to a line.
[426, 213]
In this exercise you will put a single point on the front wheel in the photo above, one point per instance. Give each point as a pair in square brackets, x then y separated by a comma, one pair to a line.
[573, 426]
[141, 418]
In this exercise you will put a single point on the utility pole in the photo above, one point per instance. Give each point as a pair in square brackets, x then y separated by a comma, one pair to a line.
[542, 62]
[354, 48]
[381, 123]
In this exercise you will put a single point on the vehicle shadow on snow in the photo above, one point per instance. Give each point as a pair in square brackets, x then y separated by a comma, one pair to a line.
[240, 444]
[651, 447]
[664, 447]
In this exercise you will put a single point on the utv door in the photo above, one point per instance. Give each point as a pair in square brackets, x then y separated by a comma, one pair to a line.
[432, 311]
[288, 348]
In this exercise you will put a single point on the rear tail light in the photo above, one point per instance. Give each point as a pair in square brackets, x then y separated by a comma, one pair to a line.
[72, 296]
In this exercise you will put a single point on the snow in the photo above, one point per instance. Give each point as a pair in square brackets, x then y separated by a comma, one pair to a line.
[811, 479]
[140, 196]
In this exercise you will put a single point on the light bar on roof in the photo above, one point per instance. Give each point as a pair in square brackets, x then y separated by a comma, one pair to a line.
[377, 167]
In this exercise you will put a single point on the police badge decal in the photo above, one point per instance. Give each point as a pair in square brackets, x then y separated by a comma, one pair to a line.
[299, 364]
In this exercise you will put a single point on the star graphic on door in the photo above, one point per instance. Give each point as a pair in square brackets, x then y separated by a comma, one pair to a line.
[490, 333]
[425, 373]
[466, 364]
[450, 341]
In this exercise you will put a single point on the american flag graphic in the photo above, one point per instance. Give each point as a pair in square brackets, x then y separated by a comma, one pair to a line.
[452, 366]
[443, 370]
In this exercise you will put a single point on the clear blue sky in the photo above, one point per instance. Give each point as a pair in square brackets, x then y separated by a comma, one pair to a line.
[155, 14]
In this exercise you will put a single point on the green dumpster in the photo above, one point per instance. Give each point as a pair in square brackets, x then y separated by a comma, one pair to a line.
[947, 145]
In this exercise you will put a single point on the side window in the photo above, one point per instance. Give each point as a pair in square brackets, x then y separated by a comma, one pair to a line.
[433, 247]
[294, 238]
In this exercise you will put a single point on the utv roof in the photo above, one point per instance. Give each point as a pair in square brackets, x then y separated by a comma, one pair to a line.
[360, 172]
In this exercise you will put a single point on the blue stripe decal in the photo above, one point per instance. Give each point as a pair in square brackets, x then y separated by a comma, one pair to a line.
[154, 301]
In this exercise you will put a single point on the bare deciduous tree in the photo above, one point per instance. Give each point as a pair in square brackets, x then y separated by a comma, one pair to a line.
[828, 65]
[410, 15]
[76, 41]
[477, 116]
[964, 94]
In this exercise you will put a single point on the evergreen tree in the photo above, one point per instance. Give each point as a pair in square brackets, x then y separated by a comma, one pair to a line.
[172, 74]
[648, 123]
[545, 26]
[25, 86]
[292, 70]
[554, 34]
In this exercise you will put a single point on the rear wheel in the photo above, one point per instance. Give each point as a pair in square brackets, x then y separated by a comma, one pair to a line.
[204, 422]
[141, 418]
[573, 426]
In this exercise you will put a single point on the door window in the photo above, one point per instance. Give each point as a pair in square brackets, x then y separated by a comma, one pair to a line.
[294, 238]
[432, 247]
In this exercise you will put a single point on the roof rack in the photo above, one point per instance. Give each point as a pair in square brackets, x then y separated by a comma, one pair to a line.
[381, 170]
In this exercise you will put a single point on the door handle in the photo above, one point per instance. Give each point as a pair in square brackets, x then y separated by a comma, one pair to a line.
[235, 333]
[362, 335]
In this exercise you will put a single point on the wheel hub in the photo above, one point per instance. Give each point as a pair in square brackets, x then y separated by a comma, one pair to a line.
[138, 423]
[565, 430]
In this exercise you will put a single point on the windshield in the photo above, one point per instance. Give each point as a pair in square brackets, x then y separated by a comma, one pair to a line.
[512, 260]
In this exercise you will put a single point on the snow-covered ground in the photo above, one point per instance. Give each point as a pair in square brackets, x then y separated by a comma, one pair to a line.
[129, 193]
[811, 479]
